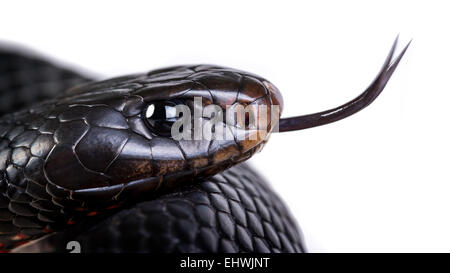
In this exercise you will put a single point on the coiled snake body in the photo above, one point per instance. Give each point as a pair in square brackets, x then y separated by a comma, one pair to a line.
[88, 165]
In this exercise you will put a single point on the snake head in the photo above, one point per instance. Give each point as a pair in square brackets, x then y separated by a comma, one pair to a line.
[115, 138]
[112, 139]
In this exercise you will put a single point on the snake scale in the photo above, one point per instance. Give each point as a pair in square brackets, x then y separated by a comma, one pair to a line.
[80, 161]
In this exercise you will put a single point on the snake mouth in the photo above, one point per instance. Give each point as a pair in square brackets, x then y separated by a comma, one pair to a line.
[135, 189]
[144, 186]
[118, 191]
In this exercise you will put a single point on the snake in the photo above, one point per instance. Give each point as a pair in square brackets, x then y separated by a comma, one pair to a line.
[83, 163]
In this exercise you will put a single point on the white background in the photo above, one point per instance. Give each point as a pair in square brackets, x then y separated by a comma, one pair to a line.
[375, 182]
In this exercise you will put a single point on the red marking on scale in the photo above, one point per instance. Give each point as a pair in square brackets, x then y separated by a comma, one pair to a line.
[20, 243]
[1, 245]
[70, 222]
[113, 206]
[47, 230]
[92, 213]
[20, 236]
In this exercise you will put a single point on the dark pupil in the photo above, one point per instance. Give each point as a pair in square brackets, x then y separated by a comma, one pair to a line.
[161, 116]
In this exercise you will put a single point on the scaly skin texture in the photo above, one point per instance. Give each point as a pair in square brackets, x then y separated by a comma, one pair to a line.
[233, 211]
[72, 165]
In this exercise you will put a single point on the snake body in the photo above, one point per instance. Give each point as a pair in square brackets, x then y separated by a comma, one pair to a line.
[86, 163]
[82, 163]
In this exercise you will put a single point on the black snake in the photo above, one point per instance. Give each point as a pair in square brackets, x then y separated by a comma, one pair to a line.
[87, 165]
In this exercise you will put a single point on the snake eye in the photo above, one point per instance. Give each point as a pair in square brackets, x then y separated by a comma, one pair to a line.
[160, 117]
